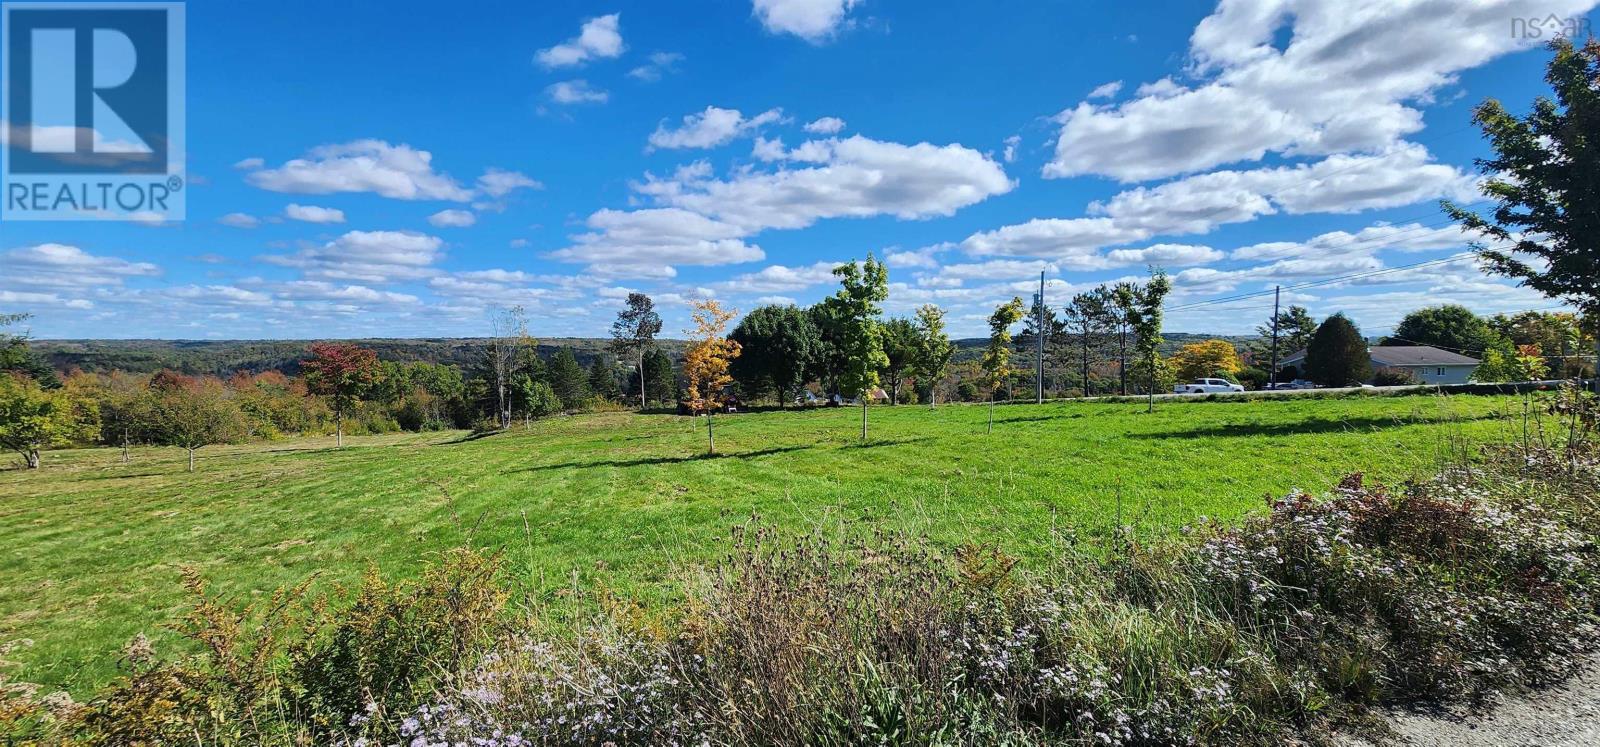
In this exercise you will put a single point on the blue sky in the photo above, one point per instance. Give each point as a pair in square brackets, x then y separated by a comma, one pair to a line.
[356, 173]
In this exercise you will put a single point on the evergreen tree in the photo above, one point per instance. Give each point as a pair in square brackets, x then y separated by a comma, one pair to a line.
[1089, 320]
[661, 382]
[568, 380]
[1337, 354]
[603, 380]
[1295, 327]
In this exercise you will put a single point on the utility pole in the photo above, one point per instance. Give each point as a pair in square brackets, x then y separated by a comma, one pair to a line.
[1272, 376]
[1040, 332]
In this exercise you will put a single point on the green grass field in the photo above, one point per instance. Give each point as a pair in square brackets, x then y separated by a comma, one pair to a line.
[91, 546]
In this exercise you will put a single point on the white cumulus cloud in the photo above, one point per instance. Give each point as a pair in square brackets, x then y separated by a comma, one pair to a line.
[576, 91]
[453, 218]
[1349, 78]
[397, 171]
[710, 128]
[314, 214]
[816, 21]
[599, 38]
[825, 126]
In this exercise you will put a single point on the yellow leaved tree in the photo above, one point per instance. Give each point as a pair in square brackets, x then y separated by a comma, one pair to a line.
[706, 362]
[1199, 360]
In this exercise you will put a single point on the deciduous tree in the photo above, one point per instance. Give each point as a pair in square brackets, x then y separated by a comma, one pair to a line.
[1199, 360]
[634, 333]
[863, 286]
[1545, 228]
[538, 400]
[17, 357]
[1450, 327]
[1141, 306]
[707, 360]
[343, 374]
[934, 349]
[508, 338]
[900, 350]
[1558, 335]
[778, 344]
[196, 415]
[997, 357]
[33, 418]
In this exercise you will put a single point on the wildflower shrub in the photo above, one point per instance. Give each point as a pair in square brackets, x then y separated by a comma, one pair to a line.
[1482, 578]
[296, 668]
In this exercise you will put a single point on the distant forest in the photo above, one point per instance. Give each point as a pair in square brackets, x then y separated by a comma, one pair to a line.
[226, 357]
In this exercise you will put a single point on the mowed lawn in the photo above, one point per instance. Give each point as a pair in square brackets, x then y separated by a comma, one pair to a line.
[90, 548]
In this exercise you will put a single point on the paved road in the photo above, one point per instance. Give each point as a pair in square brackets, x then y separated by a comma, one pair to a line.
[1566, 715]
[1507, 388]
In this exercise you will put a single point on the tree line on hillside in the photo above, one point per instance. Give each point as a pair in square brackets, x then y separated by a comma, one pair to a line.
[1111, 336]
[342, 388]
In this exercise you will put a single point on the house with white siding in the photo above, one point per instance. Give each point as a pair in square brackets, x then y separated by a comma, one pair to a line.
[1427, 364]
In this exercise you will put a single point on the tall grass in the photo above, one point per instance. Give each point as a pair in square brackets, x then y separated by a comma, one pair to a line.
[1484, 577]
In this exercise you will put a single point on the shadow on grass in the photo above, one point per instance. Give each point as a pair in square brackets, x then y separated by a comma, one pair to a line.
[1030, 418]
[131, 475]
[873, 443]
[649, 461]
[467, 437]
[1319, 425]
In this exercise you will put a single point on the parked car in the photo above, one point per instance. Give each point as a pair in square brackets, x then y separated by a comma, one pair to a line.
[1296, 384]
[730, 405]
[1207, 386]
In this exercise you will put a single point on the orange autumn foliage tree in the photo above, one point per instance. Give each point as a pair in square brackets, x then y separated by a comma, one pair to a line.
[706, 362]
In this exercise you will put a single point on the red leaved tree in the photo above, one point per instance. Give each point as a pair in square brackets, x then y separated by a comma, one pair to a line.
[343, 374]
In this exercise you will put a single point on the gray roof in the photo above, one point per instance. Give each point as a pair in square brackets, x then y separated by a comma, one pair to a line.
[1403, 355]
[1418, 355]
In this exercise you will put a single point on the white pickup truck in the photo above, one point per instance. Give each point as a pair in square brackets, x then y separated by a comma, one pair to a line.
[1207, 386]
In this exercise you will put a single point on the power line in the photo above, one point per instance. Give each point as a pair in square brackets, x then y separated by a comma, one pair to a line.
[1325, 281]
[1352, 167]
[1390, 239]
